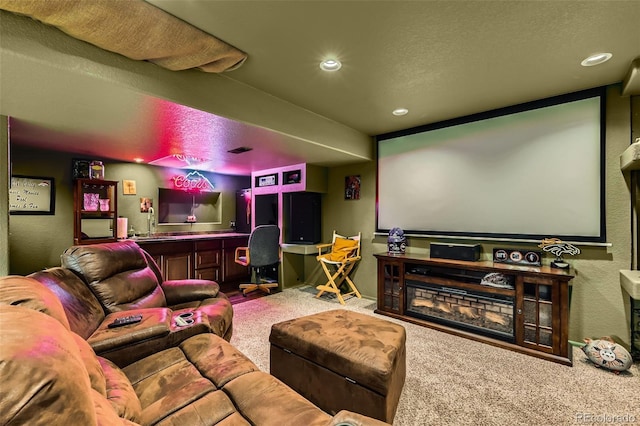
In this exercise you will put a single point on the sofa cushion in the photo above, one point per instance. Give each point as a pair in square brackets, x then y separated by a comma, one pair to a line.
[44, 379]
[90, 361]
[216, 359]
[82, 309]
[182, 378]
[260, 397]
[214, 408]
[27, 292]
[171, 382]
[117, 273]
[120, 392]
[105, 414]
[181, 291]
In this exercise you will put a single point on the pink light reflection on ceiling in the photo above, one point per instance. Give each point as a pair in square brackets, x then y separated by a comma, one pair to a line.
[185, 132]
[205, 139]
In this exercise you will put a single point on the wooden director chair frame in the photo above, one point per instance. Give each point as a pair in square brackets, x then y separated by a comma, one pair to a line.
[337, 263]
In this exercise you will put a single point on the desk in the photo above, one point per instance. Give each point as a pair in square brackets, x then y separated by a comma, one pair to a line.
[296, 260]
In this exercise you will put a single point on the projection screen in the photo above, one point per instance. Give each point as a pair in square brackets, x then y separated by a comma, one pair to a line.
[527, 172]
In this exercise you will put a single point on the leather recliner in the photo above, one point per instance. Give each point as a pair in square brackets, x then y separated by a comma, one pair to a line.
[100, 283]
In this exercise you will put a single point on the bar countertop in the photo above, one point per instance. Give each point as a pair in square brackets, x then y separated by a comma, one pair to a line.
[164, 237]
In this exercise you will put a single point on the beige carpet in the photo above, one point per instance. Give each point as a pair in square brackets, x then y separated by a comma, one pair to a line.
[456, 381]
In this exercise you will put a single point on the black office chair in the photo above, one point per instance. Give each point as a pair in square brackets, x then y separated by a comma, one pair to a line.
[263, 257]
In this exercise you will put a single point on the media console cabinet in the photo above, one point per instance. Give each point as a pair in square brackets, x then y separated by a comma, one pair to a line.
[521, 308]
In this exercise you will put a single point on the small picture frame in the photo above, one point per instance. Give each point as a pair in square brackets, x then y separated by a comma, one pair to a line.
[145, 204]
[80, 168]
[352, 187]
[291, 177]
[128, 187]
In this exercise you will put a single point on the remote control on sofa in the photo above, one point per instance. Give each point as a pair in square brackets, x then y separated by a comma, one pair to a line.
[131, 319]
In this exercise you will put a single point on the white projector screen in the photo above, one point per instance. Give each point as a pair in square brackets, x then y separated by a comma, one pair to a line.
[526, 173]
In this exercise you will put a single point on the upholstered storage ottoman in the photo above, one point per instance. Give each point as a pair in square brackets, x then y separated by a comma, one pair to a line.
[341, 359]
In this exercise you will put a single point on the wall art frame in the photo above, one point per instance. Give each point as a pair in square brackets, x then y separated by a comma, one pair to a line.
[32, 195]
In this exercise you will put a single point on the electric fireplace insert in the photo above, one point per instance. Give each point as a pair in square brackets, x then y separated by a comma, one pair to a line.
[467, 300]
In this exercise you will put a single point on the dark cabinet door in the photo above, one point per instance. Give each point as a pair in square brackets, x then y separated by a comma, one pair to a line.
[390, 284]
[175, 259]
[208, 260]
[233, 271]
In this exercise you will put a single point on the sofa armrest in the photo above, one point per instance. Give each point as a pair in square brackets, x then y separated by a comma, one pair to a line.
[349, 418]
[156, 322]
[183, 291]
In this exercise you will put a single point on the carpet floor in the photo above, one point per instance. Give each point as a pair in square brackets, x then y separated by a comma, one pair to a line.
[456, 381]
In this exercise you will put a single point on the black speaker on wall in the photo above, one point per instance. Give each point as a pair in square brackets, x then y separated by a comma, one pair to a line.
[303, 219]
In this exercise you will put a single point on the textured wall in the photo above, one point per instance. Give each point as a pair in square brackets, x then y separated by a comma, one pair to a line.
[598, 307]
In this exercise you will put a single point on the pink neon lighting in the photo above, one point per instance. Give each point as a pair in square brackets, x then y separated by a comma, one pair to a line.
[193, 181]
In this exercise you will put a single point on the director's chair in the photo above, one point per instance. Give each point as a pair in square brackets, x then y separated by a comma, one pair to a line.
[337, 263]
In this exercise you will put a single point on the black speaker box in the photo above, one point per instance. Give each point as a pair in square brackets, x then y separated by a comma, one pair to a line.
[304, 217]
[470, 252]
[266, 208]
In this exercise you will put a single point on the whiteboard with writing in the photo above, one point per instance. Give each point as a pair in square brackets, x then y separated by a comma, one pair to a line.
[31, 195]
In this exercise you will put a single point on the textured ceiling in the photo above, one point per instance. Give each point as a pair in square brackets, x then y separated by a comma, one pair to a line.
[439, 59]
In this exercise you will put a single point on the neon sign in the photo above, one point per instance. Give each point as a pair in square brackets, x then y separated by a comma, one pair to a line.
[193, 181]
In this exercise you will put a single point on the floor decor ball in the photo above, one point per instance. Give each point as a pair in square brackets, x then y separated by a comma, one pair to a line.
[606, 353]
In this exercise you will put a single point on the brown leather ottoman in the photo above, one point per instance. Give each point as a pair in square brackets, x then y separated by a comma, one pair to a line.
[341, 359]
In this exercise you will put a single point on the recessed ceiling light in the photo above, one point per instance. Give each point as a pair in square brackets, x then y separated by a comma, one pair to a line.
[400, 111]
[138, 160]
[330, 65]
[596, 59]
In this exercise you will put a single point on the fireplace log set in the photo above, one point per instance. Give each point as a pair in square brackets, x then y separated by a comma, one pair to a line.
[487, 313]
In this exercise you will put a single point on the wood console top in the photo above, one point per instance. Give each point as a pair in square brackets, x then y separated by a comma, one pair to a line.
[480, 265]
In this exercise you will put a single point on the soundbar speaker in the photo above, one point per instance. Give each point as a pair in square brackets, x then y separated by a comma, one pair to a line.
[469, 252]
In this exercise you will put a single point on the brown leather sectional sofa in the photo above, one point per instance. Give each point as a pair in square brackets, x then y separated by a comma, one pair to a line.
[186, 375]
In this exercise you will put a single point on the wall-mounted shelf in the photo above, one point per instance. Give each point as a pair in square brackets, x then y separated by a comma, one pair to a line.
[630, 158]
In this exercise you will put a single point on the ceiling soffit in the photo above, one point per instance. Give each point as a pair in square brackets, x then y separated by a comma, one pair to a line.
[136, 30]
